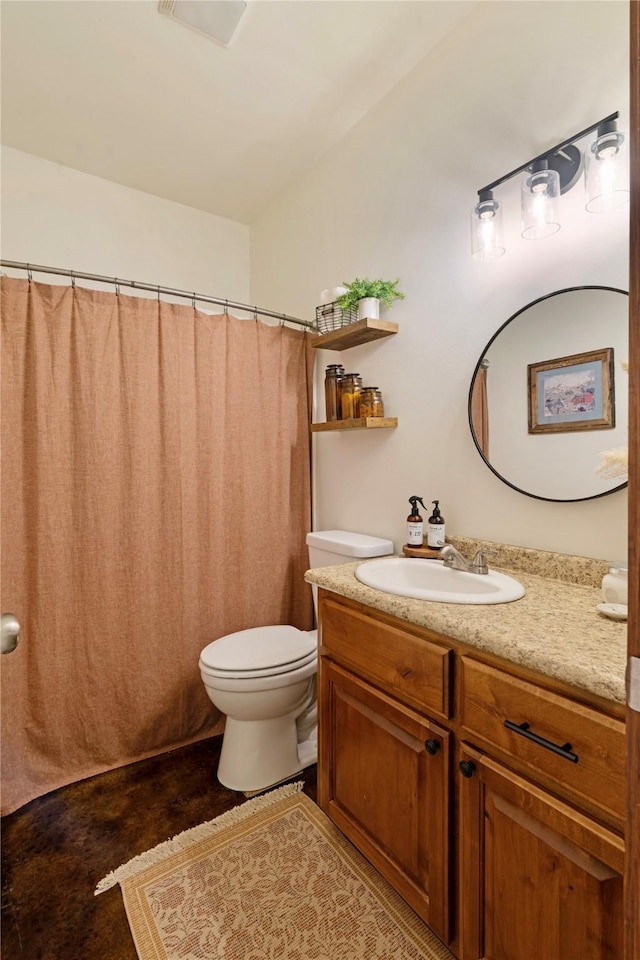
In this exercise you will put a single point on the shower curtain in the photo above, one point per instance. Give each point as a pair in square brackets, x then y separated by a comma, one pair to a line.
[155, 496]
[480, 410]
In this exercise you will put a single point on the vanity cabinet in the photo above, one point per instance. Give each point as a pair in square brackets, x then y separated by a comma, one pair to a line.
[388, 789]
[537, 877]
[490, 797]
[540, 871]
[385, 765]
[573, 748]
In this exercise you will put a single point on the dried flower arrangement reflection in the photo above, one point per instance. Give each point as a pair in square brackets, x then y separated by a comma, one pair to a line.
[614, 464]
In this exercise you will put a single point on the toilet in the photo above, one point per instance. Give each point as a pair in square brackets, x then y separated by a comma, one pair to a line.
[264, 681]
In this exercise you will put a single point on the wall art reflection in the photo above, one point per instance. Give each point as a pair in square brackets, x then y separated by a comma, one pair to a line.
[572, 393]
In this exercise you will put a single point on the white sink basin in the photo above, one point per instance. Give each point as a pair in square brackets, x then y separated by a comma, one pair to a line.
[431, 580]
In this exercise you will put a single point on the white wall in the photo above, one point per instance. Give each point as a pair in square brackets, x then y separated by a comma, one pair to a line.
[394, 201]
[58, 217]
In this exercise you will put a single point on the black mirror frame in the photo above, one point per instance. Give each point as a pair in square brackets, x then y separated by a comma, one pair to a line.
[555, 293]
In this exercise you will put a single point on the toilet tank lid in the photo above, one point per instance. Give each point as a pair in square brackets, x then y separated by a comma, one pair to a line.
[350, 544]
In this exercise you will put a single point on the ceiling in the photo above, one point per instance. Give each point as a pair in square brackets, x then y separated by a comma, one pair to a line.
[117, 90]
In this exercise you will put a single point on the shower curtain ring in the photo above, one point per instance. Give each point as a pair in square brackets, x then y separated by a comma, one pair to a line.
[226, 308]
[117, 286]
[29, 274]
[73, 279]
[255, 314]
[193, 300]
[158, 293]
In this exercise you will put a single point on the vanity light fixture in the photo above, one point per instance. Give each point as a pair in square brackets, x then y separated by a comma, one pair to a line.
[550, 175]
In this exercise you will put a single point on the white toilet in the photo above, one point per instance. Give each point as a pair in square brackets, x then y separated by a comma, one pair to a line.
[264, 681]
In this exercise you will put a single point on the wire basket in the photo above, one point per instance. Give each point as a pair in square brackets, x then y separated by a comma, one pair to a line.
[329, 316]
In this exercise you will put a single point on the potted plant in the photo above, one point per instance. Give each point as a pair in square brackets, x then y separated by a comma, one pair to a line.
[367, 295]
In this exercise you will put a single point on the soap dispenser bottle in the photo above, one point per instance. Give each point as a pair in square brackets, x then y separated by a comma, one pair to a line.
[415, 524]
[435, 528]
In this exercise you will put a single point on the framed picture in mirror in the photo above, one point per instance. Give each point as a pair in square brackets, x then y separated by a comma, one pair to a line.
[572, 393]
[572, 326]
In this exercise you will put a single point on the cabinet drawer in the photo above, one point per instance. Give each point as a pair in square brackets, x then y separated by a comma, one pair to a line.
[399, 663]
[583, 749]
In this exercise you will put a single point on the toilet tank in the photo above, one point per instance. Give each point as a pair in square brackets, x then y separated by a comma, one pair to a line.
[327, 548]
[330, 547]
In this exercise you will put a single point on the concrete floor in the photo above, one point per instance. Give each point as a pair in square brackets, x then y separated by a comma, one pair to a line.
[56, 849]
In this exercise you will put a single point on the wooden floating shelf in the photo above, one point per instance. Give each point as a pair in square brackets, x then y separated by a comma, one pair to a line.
[362, 423]
[353, 334]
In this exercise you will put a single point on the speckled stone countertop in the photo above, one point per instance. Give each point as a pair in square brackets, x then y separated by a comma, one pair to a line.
[554, 629]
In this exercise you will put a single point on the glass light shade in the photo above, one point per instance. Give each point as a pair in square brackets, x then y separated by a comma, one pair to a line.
[607, 173]
[539, 199]
[486, 229]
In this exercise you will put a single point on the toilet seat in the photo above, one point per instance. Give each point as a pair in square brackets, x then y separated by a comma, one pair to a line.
[259, 652]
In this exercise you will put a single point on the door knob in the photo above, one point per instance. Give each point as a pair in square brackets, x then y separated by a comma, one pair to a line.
[9, 632]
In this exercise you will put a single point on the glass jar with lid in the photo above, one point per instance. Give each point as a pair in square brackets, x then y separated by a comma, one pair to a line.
[371, 404]
[350, 388]
[332, 391]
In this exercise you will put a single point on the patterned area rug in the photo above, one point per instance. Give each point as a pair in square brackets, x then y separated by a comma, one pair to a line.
[272, 879]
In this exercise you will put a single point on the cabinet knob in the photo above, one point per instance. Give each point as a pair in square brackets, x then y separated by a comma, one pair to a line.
[467, 768]
[432, 746]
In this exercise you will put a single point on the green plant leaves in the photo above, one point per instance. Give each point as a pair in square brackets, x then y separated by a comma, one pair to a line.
[383, 290]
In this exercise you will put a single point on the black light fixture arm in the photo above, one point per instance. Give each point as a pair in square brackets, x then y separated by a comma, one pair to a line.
[547, 154]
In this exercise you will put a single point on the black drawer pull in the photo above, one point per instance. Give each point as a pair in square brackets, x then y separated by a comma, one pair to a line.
[523, 729]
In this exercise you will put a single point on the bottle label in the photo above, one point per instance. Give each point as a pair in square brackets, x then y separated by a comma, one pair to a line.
[414, 534]
[435, 535]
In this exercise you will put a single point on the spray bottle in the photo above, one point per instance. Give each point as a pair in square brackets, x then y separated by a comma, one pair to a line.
[415, 524]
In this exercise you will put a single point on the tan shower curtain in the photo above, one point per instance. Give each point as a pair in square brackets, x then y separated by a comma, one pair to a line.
[155, 496]
[480, 410]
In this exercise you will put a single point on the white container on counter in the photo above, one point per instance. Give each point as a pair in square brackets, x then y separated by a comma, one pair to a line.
[615, 585]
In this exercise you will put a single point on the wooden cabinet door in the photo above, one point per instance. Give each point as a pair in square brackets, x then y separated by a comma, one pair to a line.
[383, 780]
[538, 879]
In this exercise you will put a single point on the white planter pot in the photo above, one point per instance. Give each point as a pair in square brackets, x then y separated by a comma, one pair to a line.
[369, 307]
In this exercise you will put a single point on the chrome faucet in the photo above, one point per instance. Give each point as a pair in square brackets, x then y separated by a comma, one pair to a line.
[455, 561]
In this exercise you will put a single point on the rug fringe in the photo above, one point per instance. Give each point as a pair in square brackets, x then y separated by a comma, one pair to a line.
[187, 837]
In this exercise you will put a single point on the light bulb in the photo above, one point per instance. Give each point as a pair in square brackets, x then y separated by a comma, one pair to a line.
[606, 171]
[486, 228]
[540, 193]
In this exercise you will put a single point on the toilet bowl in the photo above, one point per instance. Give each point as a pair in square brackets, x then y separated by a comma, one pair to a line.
[264, 680]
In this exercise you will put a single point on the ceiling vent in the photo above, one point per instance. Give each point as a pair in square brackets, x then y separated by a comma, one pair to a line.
[216, 19]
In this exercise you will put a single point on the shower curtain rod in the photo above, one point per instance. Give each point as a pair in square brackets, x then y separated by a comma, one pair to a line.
[154, 288]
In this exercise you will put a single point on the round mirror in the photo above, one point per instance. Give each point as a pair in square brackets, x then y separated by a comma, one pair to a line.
[548, 403]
